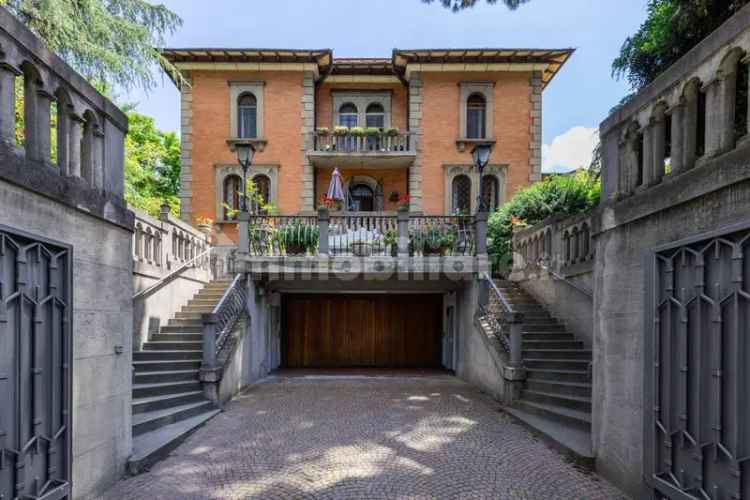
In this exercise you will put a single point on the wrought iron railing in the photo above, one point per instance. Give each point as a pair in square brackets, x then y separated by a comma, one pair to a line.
[504, 321]
[219, 324]
[441, 235]
[373, 144]
[286, 235]
[363, 235]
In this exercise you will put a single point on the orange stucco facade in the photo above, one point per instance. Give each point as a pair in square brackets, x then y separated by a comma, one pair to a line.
[298, 99]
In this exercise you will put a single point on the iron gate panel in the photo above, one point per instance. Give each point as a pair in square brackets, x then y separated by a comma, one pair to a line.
[697, 390]
[35, 376]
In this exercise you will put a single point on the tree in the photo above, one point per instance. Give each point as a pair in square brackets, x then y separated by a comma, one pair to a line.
[110, 42]
[671, 29]
[458, 5]
[152, 165]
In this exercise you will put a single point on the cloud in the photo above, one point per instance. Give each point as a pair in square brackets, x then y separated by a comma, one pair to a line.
[570, 150]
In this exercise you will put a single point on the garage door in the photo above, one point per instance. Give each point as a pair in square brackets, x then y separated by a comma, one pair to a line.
[336, 331]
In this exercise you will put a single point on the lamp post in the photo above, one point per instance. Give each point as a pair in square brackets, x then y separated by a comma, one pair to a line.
[481, 156]
[245, 153]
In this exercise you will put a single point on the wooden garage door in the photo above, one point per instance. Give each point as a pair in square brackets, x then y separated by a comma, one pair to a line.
[334, 331]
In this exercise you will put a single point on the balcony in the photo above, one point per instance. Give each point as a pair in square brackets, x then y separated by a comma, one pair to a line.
[383, 150]
[363, 243]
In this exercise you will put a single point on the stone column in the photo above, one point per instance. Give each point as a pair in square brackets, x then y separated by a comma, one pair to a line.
[97, 164]
[689, 128]
[31, 123]
[63, 146]
[415, 128]
[307, 201]
[677, 113]
[43, 125]
[714, 118]
[8, 103]
[647, 168]
[658, 143]
[186, 150]
[728, 110]
[324, 218]
[74, 146]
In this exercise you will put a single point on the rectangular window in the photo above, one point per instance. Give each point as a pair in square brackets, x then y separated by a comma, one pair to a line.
[248, 123]
[348, 119]
[475, 123]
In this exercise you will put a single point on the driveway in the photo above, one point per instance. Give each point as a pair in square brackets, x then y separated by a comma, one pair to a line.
[429, 436]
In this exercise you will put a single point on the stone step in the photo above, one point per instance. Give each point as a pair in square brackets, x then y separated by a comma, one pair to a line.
[209, 294]
[198, 301]
[582, 354]
[578, 403]
[143, 405]
[172, 345]
[154, 377]
[580, 389]
[183, 323]
[188, 315]
[160, 365]
[152, 446]
[562, 375]
[551, 344]
[578, 419]
[552, 336]
[166, 355]
[149, 421]
[198, 309]
[572, 440]
[177, 337]
[165, 388]
[557, 364]
[193, 328]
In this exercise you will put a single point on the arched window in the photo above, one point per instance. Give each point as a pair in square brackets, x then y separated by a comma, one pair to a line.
[461, 194]
[262, 188]
[247, 120]
[361, 198]
[232, 193]
[476, 117]
[375, 116]
[348, 115]
[490, 195]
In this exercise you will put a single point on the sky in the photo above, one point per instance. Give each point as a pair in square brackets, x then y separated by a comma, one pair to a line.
[575, 102]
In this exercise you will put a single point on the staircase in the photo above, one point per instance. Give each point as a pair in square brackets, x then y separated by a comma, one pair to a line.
[168, 401]
[556, 397]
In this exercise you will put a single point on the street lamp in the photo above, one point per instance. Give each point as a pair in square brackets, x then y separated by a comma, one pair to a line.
[245, 153]
[481, 156]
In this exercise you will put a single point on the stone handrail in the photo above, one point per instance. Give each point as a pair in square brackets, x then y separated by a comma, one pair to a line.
[167, 243]
[402, 142]
[506, 323]
[558, 244]
[687, 116]
[90, 129]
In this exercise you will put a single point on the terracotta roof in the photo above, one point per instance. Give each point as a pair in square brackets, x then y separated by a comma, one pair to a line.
[177, 55]
[552, 58]
[362, 66]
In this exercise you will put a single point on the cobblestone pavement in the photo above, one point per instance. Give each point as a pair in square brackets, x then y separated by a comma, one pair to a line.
[364, 438]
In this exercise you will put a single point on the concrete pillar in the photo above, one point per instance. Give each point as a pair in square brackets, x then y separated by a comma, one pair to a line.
[714, 118]
[403, 233]
[63, 145]
[690, 128]
[728, 111]
[480, 233]
[97, 161]
[677, 114]
[648, 156]
[8, 103]
[31, 124]
[244, 222]
[658, 143]
[324, 218]
[43, 125]
[74, 145]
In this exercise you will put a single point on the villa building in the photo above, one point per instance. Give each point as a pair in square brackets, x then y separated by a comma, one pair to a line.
[431, 107]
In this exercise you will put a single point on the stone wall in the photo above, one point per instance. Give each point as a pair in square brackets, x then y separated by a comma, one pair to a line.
[74, 198]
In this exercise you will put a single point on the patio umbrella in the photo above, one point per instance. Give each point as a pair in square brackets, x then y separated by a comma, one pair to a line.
[336, 187]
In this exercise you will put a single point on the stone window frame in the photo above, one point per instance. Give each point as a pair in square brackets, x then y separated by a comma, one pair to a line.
[362, 99]
[486, 89]
[223, 170]
[236, 90]
[451, 170]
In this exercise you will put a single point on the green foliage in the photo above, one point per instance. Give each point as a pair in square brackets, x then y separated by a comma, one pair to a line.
[112, 41]
[298, 238]
[459, 5]
[671, 29]
[152, 165]
[433, 239]
[555, 195]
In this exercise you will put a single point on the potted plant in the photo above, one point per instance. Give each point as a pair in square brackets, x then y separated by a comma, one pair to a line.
[390, 239]
[298, 238]
[322, 131]
[437, 241]
[205, 224]
[340, 130]
[361, 248]
[391, 132]
[403, 202]
[372, 131]
[394, 197]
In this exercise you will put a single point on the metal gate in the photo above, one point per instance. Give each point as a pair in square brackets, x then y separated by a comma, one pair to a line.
[35, 360]
[697, 407]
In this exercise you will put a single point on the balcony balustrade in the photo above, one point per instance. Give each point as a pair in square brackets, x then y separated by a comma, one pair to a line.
[385, 150]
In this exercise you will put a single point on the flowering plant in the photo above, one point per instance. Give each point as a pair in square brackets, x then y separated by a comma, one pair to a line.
[404, 200]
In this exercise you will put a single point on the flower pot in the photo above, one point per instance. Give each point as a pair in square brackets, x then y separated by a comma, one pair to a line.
[394, 250]
[296, 249]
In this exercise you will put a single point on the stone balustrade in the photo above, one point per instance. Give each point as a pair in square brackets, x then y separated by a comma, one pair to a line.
[89, 132]
[558, 243]
[695, 111]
